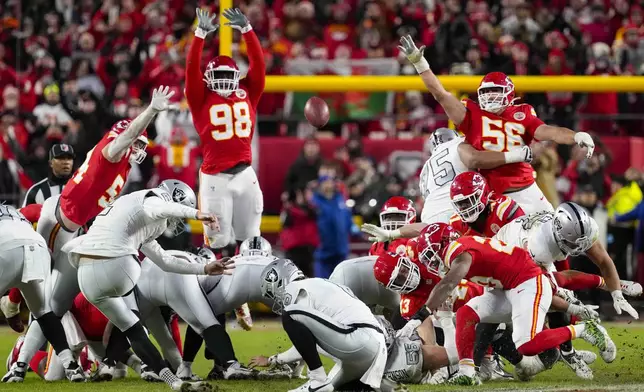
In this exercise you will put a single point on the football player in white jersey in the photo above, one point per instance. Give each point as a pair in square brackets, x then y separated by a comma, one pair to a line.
[319, 312]
[108, 268]
[25, 263]
[450, 156]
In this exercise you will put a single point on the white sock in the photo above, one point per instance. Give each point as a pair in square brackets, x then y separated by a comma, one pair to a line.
[167, 376]
[466, 367]
[34, 339]
[578, 329]
[66, 357]
[318, 374]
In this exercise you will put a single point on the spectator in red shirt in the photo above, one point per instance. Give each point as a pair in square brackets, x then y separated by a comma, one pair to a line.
[177, 159]
[299, 235]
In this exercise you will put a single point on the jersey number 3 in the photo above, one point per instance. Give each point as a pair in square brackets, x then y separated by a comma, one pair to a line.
[230, 120]
[501, 136]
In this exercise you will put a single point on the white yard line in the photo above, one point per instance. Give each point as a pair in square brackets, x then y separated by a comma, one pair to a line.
[576, 388]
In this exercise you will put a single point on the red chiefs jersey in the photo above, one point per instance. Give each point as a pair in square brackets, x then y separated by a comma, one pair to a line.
[465, 292]
[499, 212]
[411, 303]
[177, 162]
[90, 319]
[494, 263]
[96, 183]
[398, 246]
[225, 124]
[510, 130]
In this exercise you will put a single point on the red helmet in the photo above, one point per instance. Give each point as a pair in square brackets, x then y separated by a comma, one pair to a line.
[138, 153]
[412, 243]
[222, 75]
[470, 194]
[432, 245]
[397, 212]
[397, 272]
[496, 92]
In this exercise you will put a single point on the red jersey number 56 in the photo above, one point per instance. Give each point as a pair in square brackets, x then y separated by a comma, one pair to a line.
[230, 120]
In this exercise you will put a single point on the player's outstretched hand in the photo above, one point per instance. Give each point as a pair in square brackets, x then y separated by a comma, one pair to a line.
[236, 19]
[210, 219]
[585, 140]
[376, 234]
[205, 23]
[584, 312]
[223, 266]
[621, 304]
[409, 49]
[260, 361]
[161, 98]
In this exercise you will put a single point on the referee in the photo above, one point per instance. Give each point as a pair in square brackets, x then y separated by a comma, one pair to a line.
[61, 162]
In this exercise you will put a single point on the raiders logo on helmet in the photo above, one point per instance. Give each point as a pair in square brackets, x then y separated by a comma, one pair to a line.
[178, 195]
[272, 276]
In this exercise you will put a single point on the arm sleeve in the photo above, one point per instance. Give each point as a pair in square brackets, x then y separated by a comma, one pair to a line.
[117, 147]
[157, 208]
[153, 251]
[195, 86]
[256, 76]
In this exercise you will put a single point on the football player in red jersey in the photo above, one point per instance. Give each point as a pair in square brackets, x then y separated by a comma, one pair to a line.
[479, 211]
[96, 183]
[496, 123]
[223, 110]
[521, 294]
[397, 212]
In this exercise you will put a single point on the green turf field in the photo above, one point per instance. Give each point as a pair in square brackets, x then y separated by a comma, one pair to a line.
[625, 374]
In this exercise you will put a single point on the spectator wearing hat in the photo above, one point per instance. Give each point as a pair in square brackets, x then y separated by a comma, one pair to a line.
[51, 112]
[61, 163]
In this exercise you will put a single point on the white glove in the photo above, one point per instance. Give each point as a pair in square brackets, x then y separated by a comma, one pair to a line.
[568, 295]
[161, 98]
[523, 154]
[413, 54]
[584, 312]
[619, 303]
[378, 234]
[408, 329]
[585, 140]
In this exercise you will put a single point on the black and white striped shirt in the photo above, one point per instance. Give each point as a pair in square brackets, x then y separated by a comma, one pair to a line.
[43, 190]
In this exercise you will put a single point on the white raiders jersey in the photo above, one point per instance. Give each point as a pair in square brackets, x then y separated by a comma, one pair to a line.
[357, 275]
[334, 300]
[533, 233]
[437, 176]
[128, 223]
[228, 292]
[16, 230]
[405, 360]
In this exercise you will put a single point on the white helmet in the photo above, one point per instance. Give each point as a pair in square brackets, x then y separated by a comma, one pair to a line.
[274, 279]
[179, 193]
[255, 246]
[575, 231]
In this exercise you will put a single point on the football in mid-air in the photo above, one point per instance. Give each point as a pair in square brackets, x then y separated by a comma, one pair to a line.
[316, 112]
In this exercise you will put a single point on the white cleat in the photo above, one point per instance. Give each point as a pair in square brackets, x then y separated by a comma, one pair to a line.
[314, 386]
[237, 371]
[186, 386]
[587, 356]
[149, 375]
[74, 372]
[244, 318]
[576, 362]
[632, 289]
[597, 335]
[528, 368]
[439, 377]
[492, 369]
[298, 370]
[185, 373]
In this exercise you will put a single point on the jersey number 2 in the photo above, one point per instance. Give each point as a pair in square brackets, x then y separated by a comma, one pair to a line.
[501, 135]
[230, 120]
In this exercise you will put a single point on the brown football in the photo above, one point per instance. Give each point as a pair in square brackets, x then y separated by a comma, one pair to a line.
[316, 112]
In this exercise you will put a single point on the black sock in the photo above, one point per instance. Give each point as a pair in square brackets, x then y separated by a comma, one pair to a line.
[440, 336]
[504, 346]
[556, 320]
[53, 331]
[191, 344]
[144, 348]
[207, 353]
[484, 335]
[219, 344]
[116, 348]
[303, 340]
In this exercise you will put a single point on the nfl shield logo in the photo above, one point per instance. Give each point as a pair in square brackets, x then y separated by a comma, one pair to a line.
[519, 116]
[241, 94]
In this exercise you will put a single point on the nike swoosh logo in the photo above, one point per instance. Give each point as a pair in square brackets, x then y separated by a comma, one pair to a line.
[518, 291]
[318, 388]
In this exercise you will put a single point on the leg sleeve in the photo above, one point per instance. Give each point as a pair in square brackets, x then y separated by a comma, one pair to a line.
[215, 196]
[248, 205]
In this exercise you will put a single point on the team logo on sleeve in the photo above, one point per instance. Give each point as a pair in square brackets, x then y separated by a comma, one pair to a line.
[241, 94]
[178, 195]
[519, 116]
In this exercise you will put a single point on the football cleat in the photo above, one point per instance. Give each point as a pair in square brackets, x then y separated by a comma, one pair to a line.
[576, 362]
[439, 377]
[244, 318]
[102, 374]
[528, 368]
[314, 386]
[632, 289]
[465, 380]
[587, 356]
[237, 371]
[120, 371]
[16, 373]
[148, 374]
[492, 369]
[186, 386]
[74, 372]
[12, 314]
[283, 371]
[597, 335]
[217, 373]
[185, 373]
